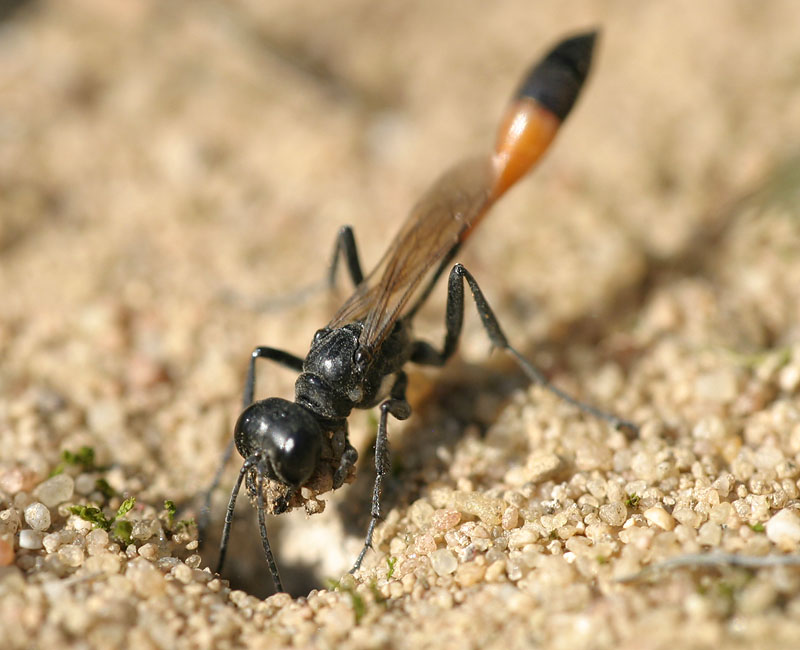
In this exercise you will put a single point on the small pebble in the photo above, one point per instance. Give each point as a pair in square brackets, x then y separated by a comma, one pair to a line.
[469, 574]
[149, 551]
[409, 581]
[660, 517]
[30, 539]
[686, 516]
[767, 458]
[720, 513]
[168, 563]
[709, 534]
[425, 544]
[444, 600]
[22, 500]
[554, 522]
[9, 521]
[495, 570]
[71, 555]
[420, 512]
[443, 520]
[614, 514]
[757, 597]
[144, 529]
[542, 466]
[103, 563]
[521, 537]
[37, 516]
[52, 541]
[85, 484]
[55, 490]
[719, 386]
[479, 505]
[395, 590]
[515, 569]
[510, 518]
[6, 551]
[397, 546]
[104, 416]
[443, 562]
[147, 580]
[789, 378]
[467, 554]
[473, 530]
[17, 479]
[783, 529]
[96, 541]
[182, 573]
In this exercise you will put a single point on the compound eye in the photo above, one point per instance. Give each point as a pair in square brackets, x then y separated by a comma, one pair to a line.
[320, 334]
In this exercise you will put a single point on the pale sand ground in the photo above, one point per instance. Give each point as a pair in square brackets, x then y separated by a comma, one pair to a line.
[155, 157]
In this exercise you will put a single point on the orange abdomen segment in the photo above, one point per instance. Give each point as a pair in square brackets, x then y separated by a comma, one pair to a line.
[525, 133]
[543, 101]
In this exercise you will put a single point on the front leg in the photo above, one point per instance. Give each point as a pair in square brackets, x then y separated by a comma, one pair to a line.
[346, 463]
[399, 408]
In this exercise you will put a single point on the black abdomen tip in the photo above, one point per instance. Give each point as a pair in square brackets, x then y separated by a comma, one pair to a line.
[555, 82]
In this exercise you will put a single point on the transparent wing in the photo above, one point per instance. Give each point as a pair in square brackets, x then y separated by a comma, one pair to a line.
[442, 218]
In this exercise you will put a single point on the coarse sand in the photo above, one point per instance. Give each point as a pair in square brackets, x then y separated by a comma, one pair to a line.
[170, 172]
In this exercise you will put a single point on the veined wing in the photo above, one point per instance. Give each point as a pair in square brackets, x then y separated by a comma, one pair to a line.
[440, 220]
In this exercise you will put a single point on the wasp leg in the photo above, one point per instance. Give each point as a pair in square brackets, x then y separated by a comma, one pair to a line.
[273, 354]
[399, 408]
[348, 460]
[426, 354]
[286, 359]
[345, 245]
[262, 527]
[254, 463]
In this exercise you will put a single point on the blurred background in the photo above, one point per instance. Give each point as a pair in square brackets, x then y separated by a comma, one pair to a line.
[166, 166]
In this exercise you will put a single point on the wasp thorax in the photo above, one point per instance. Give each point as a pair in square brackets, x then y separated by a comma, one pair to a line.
[331, 357]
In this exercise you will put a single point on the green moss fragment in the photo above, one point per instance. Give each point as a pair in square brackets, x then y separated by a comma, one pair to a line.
[122, 530]
[171, 509]
[126, 507]
[93, 515]
[391, 563]
[117, 526]
[83, 458]
[102, 486]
